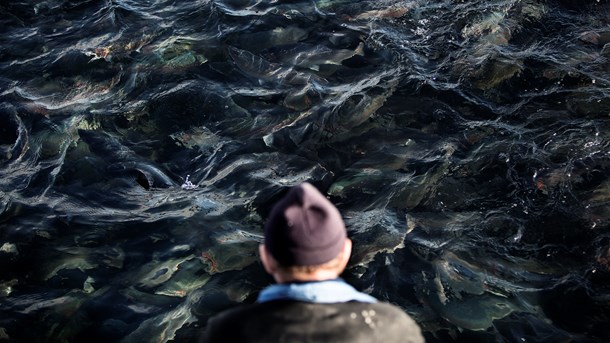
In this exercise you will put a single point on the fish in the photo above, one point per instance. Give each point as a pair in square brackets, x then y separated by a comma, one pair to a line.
[106, 145]
[601, 194]
[356, 109]
[225, 257]
[471, 297]
[487, 67]
[300, 99]
[360, 181]
[124, 161]
[391, 12]
[374, 232]
[72, 299]
[175, 54]
[155, 273]
[478, 313]
[147, 175]
[78, 261]
[163, 327]
[190, 276]
[494, 71]
[256, 66]
[244, 12]
[319, 55]
[82, 258]
[177, 48]
[262, 40]
[199, 137]
[237, 236]
[335, 119]
[145, 301]
[272, 74]
[596, 38]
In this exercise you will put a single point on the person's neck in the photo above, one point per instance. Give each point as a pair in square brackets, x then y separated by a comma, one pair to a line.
[322, 275]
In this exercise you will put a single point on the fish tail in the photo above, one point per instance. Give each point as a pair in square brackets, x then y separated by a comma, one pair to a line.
[360, 49]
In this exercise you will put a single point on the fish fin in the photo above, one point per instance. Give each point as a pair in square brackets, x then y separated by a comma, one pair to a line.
[360, 49]
[144, 179]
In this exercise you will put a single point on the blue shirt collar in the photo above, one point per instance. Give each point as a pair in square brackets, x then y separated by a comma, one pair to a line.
[327, 291]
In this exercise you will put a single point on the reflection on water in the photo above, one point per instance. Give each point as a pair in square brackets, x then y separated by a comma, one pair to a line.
[467, 144]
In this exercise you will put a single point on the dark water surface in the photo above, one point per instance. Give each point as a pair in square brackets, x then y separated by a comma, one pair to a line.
[467, 144]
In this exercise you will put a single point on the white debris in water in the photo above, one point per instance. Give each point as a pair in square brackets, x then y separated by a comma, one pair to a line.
[3, 334]
[188, 185]
[183, 247]
[9, 248]
[88, 285]
[6, 288]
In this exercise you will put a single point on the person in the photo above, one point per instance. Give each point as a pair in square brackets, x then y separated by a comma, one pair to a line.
[305, 249]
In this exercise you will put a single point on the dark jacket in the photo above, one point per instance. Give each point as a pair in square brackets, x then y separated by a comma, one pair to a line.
[293, 321]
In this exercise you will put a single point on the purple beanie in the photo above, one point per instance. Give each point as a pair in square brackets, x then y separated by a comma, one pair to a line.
[304, 228]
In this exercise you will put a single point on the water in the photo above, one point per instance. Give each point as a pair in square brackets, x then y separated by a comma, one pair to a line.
[467, 144]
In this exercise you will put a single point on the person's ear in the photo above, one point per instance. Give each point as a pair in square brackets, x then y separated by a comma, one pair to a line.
[346, 253]
[266, 259]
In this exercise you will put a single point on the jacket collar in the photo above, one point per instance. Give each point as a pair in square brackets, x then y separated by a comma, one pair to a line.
[328, 291]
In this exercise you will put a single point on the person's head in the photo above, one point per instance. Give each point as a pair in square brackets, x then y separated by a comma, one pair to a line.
[305, 238]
